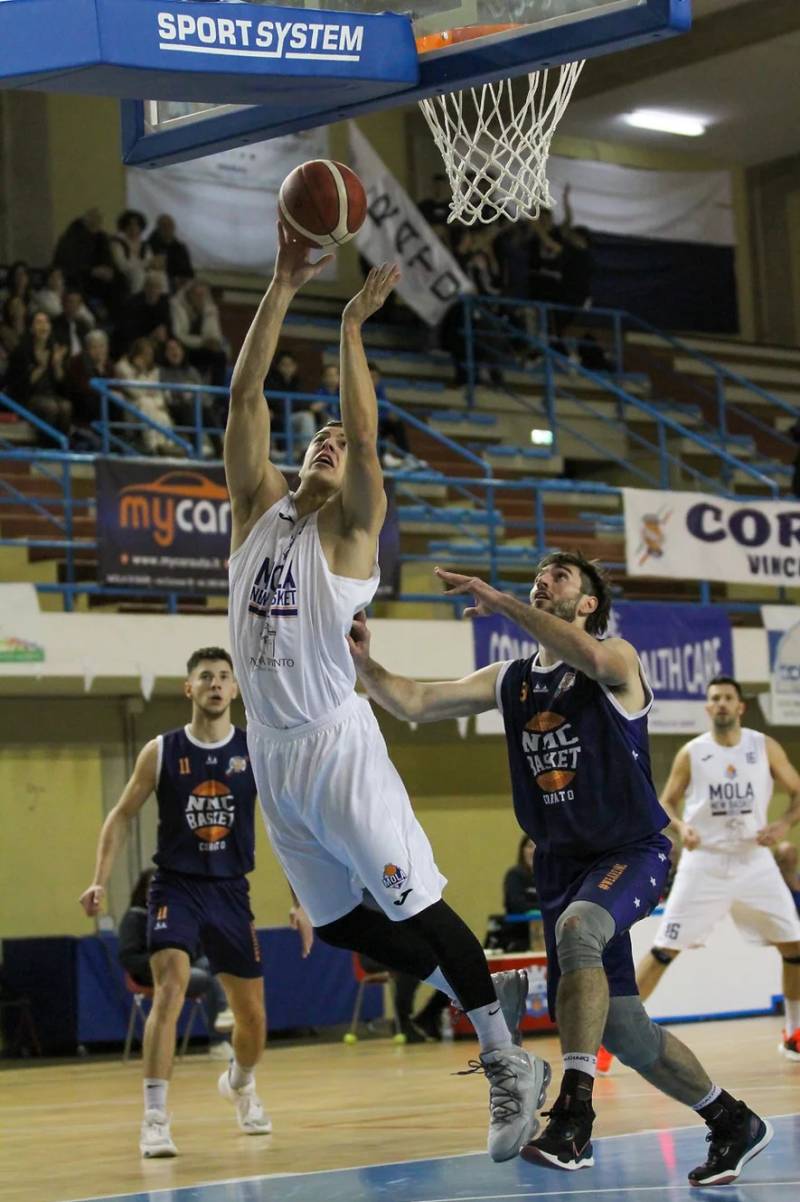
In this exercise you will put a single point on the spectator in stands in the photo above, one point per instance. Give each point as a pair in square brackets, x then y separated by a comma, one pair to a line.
[146, 314]
[175, 369]
[284, 377]
[83, 252]
[547, 267]
[520, 895]
[74, 323]
[392, 436]
[436, 208]
[94, 361]
[140, 364]
[177, 260]
[13, 323]
[129, 251]
[35, 377]
[327, 409]
[50, 298]
[195, 321]
[18, 283]
[135, 959]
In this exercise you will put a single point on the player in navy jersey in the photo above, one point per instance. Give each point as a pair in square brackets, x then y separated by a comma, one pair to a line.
[575, 718]
[206, 795]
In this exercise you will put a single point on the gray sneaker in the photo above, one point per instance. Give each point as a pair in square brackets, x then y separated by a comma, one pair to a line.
[512, 993]
[517, 1089]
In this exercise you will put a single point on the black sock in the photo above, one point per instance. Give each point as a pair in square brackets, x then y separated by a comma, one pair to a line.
[722, 1105]
[577, 1086]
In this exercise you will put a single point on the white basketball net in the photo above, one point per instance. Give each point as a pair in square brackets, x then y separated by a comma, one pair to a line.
[495, 147]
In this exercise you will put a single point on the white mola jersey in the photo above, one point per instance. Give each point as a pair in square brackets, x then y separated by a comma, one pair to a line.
[729, 790]
[289, 615]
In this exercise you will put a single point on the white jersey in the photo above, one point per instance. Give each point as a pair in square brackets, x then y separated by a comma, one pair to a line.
[729, 791]
[289, 615]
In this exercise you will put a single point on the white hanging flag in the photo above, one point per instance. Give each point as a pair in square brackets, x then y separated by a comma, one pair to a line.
[395, 230]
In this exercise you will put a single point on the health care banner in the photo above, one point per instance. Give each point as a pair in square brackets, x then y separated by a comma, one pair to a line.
[395, 230]
[781, 705]
[168, 528]
[681, 647]
[692, 536]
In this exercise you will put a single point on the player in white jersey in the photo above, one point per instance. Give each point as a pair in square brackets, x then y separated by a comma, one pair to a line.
[725, 778]
[337, 813]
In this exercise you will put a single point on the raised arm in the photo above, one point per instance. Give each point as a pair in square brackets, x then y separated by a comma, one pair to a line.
[115, 828]
[413, 700]
[363, 499]
[253, 482]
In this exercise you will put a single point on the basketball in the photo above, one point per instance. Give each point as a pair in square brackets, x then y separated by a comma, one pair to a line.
[324, 202]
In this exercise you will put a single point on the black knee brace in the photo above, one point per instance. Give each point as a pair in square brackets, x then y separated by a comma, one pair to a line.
[661, 956]
[397, 944]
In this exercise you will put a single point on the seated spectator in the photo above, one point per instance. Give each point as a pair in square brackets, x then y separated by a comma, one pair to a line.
[327, 409]
[177, 260]
[520, 895]
[74, 323]
[35, 376]
[135, 959]
[146, 314]
[283, 377]
[140, 364]
[195, 321]
[129, 252]
[13, 323]
[18, 283]
[83, 252]
[93, 362]
[392, 437]
[50, 298]
[436, 209]
[175, 369]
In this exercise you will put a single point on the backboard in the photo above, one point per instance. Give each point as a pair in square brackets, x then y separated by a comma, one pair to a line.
[198, 76]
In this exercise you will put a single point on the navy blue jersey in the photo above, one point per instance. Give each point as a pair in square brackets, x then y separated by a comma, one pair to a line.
[580, 767]
[206, 801]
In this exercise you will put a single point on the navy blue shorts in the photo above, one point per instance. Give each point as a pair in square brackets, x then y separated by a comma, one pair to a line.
[626, 882]
[189, 911]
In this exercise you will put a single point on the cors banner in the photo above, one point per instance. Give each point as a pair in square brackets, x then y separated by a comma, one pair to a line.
[396, 230]
[162, 527]
[781, 706]
[691, 536]
[681, 647]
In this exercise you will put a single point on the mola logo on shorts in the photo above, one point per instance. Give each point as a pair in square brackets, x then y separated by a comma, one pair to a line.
[393, 876]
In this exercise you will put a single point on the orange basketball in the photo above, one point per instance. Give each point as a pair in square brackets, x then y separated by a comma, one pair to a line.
[551, 782]
[547, 720]
[323, 201]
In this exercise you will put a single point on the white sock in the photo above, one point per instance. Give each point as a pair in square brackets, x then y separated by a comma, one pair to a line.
[581, 1061]
[155, 1094]
[238, 1076]
[437, 980]
[490, 1027]
[792, 1007]
[710, 1097]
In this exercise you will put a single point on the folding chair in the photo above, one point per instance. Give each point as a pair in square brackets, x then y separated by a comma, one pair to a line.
[139, 993]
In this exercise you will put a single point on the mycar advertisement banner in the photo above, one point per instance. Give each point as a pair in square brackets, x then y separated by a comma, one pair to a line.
[692, 536]
[169, 528]
[681, 648]
[781, 705]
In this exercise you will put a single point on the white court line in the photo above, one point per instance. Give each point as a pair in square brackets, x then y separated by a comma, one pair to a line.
[360, 1168]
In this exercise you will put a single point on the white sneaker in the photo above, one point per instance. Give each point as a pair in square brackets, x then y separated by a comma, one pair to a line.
[250, 1114]
[220, 1051]
[224, 1022]
[155, 1139]
[512, 993]
[517, 1088]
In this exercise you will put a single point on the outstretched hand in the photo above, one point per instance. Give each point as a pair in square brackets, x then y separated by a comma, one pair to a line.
[487, 599]
[293, 266]
[358, 639]
[379, 283]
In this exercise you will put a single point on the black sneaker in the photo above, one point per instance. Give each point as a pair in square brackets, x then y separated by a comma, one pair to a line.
[566, 1142]
[735, 1137]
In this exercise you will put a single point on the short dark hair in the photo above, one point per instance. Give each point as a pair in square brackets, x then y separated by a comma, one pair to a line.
[594, 583]
[197, 657]
[725, 680]
[129, 215]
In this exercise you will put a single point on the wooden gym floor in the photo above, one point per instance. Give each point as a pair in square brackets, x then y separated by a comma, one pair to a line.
[70, 1130]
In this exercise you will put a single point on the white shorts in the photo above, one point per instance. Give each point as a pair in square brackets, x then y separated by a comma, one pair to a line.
[339, 817]
[710, 884]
